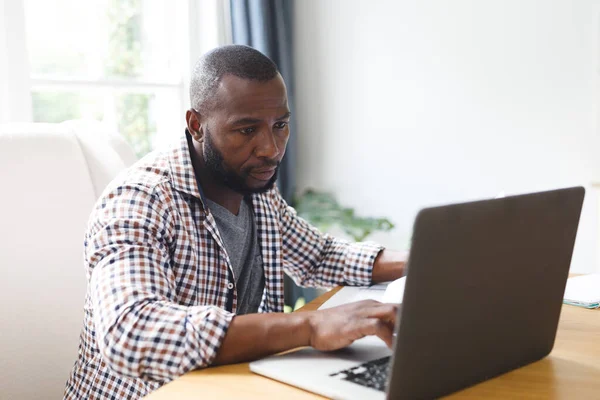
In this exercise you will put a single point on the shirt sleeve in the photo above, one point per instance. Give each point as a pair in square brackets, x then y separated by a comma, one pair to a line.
[140, 329]
[312, 258]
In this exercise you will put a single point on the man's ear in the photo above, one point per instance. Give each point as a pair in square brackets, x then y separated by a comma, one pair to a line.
[194, 125]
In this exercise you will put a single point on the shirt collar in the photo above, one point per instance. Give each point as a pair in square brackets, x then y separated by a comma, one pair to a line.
[182, 170]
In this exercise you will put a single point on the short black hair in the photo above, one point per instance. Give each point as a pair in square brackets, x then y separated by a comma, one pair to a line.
[241, 61]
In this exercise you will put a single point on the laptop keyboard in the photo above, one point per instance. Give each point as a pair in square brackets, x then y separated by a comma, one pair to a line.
[371, 374]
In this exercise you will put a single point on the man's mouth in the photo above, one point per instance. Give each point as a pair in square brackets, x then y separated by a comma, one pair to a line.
[263, 174]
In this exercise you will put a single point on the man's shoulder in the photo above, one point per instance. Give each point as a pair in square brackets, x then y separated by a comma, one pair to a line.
[141, 190]
[149, 175]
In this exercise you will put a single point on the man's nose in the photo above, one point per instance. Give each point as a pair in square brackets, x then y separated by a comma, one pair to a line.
[267, 146]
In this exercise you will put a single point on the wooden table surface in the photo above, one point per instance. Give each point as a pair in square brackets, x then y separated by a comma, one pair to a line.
[571, 371]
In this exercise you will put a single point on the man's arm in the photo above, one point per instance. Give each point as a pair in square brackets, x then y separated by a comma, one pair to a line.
[141, 330]
[389, 265]
[312, 258]
[253, 336]
[258, 335]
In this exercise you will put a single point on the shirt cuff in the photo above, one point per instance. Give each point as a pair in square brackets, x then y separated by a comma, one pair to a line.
[360, 258]
[210, 325]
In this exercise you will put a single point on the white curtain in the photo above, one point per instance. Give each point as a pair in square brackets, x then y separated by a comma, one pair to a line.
[15, 97]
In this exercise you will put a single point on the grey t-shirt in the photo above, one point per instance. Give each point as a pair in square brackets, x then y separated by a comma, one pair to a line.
[240, 239]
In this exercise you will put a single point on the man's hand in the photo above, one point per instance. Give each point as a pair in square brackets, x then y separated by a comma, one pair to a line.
[338, 327]
[254, 336]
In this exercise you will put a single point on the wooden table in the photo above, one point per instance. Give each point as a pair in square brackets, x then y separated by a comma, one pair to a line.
[571, 371]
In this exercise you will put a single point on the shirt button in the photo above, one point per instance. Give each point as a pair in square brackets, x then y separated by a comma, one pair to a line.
[230, 286]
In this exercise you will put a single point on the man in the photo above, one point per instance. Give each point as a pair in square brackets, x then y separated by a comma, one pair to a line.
[185, 252]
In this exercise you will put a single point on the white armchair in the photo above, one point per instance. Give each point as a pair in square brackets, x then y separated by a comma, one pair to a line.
[50, 178]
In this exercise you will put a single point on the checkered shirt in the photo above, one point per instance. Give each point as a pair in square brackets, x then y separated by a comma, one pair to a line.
[161, 291]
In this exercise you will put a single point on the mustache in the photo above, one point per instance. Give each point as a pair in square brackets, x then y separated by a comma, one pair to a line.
[266, 164]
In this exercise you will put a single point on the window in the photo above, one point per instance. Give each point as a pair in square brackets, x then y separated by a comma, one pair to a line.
[116, 61]
[123, 62]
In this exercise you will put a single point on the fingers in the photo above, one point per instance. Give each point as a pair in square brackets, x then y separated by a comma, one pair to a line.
[340, 326]
[382, 330]
[378, 319]
[382, 311]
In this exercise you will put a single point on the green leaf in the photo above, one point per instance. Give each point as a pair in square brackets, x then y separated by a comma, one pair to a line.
[323, 211]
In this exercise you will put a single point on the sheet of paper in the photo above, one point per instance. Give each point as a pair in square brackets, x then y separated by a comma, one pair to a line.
[349, 294]
[388, 292]
[395, 291]
[583, 291]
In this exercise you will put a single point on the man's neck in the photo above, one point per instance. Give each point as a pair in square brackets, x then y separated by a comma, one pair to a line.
[223, 196]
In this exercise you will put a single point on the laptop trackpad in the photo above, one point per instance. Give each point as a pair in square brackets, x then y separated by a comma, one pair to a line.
[366, 349]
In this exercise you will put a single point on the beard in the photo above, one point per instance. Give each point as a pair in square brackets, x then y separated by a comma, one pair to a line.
[214, 163]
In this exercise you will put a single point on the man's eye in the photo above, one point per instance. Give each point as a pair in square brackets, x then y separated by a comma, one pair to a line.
[248, 131]
[281, 125]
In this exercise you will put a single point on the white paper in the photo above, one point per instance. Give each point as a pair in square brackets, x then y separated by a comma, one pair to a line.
[349, 294]
[395, 291]
[389, 292]
[583, 290]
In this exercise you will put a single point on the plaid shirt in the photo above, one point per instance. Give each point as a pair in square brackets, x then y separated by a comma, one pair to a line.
[161, 293]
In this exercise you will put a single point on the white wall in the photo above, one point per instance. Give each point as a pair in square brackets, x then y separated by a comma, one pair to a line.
[404, 104]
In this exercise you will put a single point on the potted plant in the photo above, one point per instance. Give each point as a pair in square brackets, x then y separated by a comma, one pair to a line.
[323, 211]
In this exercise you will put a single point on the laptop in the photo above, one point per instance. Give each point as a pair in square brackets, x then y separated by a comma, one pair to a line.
[483, 296]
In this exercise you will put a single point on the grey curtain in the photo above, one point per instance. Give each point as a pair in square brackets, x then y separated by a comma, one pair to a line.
[266, 25]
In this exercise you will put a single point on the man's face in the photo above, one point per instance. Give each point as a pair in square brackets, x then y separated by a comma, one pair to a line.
[245, 133]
